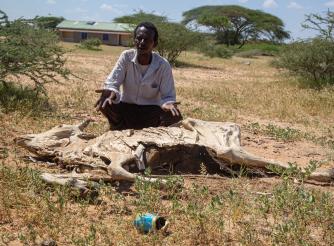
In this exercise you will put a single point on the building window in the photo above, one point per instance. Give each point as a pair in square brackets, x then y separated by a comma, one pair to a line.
[84, 35]
[105, 37]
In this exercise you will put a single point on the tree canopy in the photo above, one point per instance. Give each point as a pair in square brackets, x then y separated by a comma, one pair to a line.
[48, 22]
[323, 24]
[140, 16]
[3, 18]
[174, 38]
[235, 24]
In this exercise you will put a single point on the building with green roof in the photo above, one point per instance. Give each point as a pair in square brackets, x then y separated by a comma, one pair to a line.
[110, 33]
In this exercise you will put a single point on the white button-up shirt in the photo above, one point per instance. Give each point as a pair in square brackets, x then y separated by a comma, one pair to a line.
[155, 87]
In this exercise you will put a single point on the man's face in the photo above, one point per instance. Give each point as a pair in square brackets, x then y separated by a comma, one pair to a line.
[144, 40]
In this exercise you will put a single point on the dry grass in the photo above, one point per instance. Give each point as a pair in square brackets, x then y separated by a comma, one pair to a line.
[269, 105]
[236, 90]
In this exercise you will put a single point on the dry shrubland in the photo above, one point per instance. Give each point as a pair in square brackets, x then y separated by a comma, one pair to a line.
[279, 120]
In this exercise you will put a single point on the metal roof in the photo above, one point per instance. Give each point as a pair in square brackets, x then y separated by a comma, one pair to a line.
[96, 25]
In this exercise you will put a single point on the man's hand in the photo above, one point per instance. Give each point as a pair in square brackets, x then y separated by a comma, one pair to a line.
[171, 107]
[107, 96]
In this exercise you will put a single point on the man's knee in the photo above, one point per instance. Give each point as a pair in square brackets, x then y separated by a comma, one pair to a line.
[167, 118]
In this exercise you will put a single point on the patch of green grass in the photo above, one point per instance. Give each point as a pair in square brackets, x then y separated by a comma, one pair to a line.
[251, 50]
[43, 210]
[289, 214]
[284, 134]
[15, 97]
[298, 212]
[252, 53]
[217, 50]
[288, 134]
[267, 48]
[254, 127]
[89, 239]
[3, 152]
[327, 140]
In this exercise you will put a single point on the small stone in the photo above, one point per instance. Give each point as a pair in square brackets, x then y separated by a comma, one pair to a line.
[129, 132]
[246, 63]
[49, 242]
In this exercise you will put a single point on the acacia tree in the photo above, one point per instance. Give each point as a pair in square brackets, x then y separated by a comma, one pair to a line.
[235, 24]
[30, 52]
[174, 38]
[48, 22]
[3, 18]
[324, 25]
[140, 16]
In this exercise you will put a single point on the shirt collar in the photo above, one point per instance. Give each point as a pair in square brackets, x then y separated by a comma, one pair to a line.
[134, 59]
[152, 66]
[153, 62]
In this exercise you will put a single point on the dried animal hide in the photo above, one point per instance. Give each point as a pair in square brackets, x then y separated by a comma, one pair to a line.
[112, 155]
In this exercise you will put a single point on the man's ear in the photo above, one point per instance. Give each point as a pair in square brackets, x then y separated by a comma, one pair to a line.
[155, 44]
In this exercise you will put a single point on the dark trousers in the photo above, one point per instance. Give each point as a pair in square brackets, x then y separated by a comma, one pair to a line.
[132, 116]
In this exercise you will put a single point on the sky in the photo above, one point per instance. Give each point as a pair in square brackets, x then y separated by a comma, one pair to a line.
[292, 12]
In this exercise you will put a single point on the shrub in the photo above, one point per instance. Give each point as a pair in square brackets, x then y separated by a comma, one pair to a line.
[213, 50]
[252, 53]
[252, 49]
[174, 39]
[91, 44]
[32, 53]
[312, 60]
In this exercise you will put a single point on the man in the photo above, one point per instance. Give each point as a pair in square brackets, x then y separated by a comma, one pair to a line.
[148, 93]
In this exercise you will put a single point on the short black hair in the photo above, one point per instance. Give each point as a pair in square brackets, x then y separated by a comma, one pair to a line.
[150, 26]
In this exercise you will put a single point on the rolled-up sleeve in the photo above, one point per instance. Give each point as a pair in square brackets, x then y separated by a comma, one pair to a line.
[167, 87]
[117, 76]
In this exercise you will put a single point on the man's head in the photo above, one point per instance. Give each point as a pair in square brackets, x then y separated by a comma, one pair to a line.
[145, 37]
